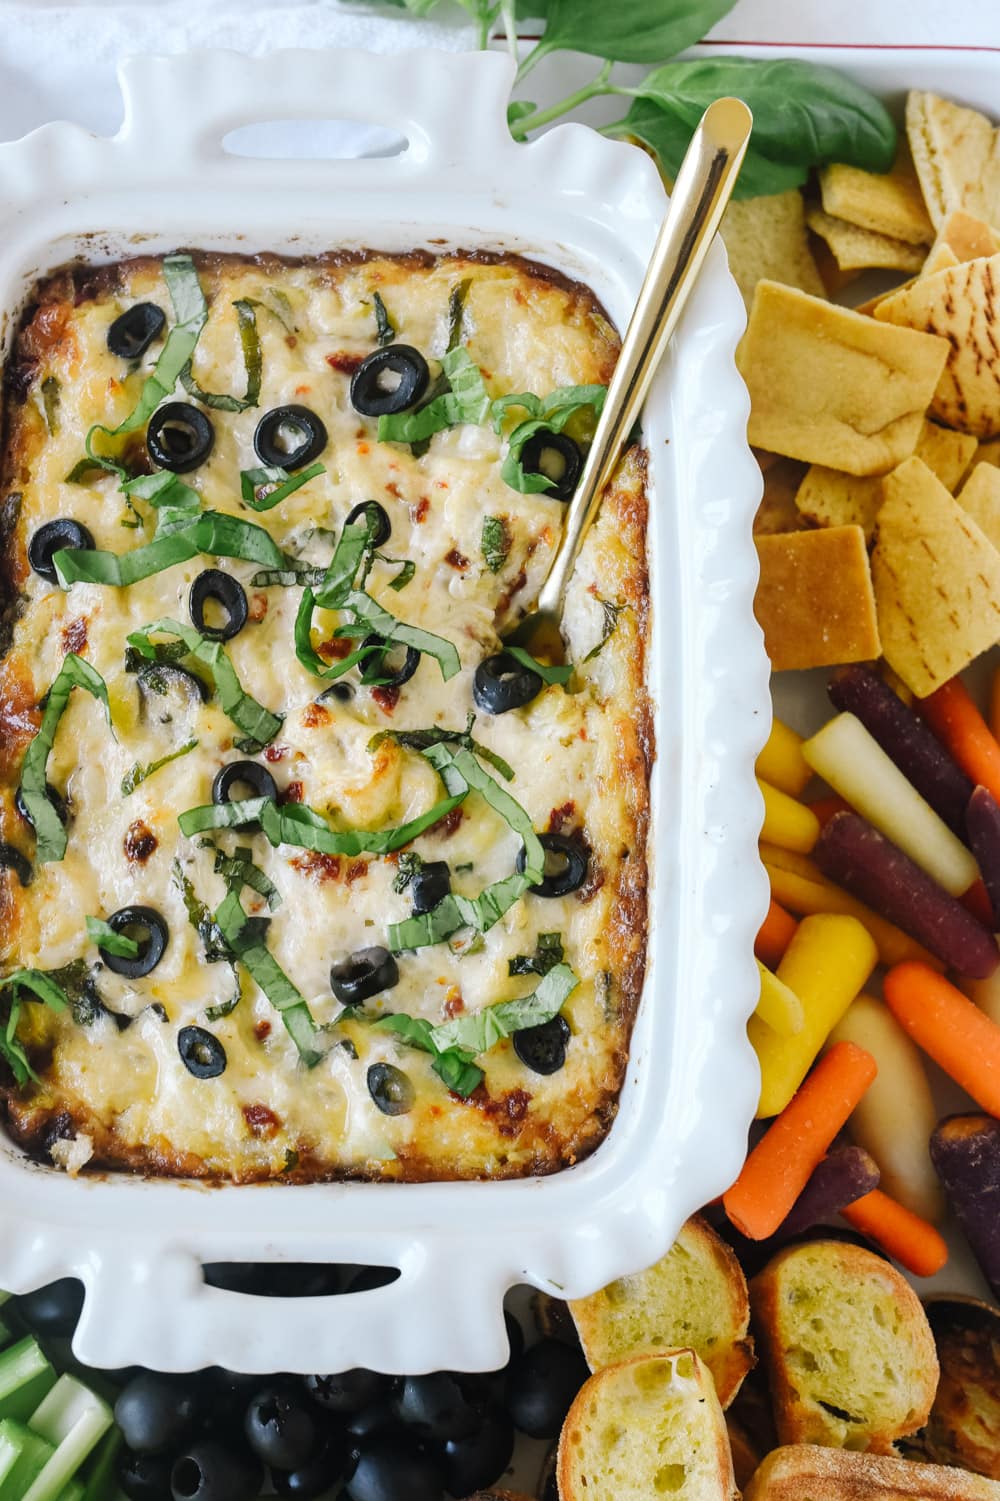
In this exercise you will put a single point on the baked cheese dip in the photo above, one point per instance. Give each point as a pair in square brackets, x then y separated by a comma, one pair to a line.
[304, 874]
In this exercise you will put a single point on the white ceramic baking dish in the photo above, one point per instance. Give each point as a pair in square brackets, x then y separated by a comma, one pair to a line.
[591, 208]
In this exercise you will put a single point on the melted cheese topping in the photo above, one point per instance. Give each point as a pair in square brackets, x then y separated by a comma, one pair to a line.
[581, 758]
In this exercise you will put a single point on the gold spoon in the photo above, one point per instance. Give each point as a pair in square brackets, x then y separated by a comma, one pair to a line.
[704, 185]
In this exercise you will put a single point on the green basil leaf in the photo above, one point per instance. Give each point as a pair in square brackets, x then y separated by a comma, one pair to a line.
[668, 137]
[51, 396]
[252, 361]
[457, 298]
[119, 570]
[201, 919]
[630, 31]
[805, 114]
[466, 401]
[385, 329]
[381, 623]
[40, 984]
[180, 536]
[611, 614]
[307, 653]
[104, 935]
[285, 484]
[44, 988]
[138, 774]
[243, 937]
[548, 672]
[551, 413]
[257, 723]
[352, 547]
[548, 953]
[405, 574]
[164, 489]
[238, 870]
[454, 1066]
[495, 543]
[419, 740]
[50, 835]
[301, 826]
[482, 1030]
[460, 1075]
[227, 1007]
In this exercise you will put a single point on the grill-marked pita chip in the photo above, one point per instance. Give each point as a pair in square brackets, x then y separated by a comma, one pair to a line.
[962, 304]
[937, 581]
[966, 237]
[829, 386]
[956, 153]
[980, 496]
[777, 511]
[814, 601]
[887, 203]
[989, 453]
[766, 238]
[856, 249]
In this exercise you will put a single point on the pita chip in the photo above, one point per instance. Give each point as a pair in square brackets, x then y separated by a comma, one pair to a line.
[956, 153]
[989, 453]
[937, 581]
[814, 601]
[963, 305]
[947, 453]
[777, 512]
[766, 238]
[856, 249]
[828, 386]
[980, 496]
[886, 203]
[967, 238]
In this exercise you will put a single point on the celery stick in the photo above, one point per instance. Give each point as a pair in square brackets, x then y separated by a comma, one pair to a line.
[23, 1455]
[25, 1379]
[5, 1334]
[73, 1419]
[100, 1471]
[72, 1492]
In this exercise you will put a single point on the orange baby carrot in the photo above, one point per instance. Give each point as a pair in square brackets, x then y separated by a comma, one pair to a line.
[902, 1234]
[977, 901]
[825, 807]
[948, 1026]
[958, 724]
[776, 933]
[782, 1162]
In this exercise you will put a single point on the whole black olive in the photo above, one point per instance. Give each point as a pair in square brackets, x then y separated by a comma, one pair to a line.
[289, 437]
[388, 663]
[53, 537]
[515, 1336]
[389, 1471]
[282, 1428]
[376, 516]
[201, 1052]
[54, 796]
[372, 1421]
[430, 885]
[477, 1460]
[12, 859]
[436, 1406]
[543, 1048]
[541, 1386]
[566, 871]
[391, 1090]
[134, 330]
[210, 1471]
[214, 586]
[502, 683]
[557, 458]
[156, 1413]
[145, 1477]
[256, 779]
[349, 1391]
[318, 1475]
[362, 974]
[179, 436]
[153, 935]
[390, 380]
[53, 1309]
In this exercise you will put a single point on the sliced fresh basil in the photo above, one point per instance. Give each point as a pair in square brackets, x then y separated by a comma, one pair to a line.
[257, 723]
[495, 543]
[385, 329]
[307, 653]
[41, 985]
[50, 835]
[163, 489]
[349, 556]
[284, 484]
[419, 740]
[548, 953]
[381, 623]
[481, 1030]
[181, 536]
[278, 306]
[51, 396]
[43, 988]
[244, 936]
[456, 1067]
[545, 670]
[138, 774]
[465, 401]
[201, 919]
[104, 935]
[457, 298]
[238, 870]
[252, 360]
[302, 827]
[550, 413]
[611, 614]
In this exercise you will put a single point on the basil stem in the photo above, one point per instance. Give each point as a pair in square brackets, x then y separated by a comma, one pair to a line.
[50, 834]
[257, 723]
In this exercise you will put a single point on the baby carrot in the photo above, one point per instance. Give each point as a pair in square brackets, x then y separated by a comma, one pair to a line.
[805, 896]
[783, 1161]
[776, 933]
[948, 1026]
[825, 807]
[781, 763]
[779, 1007]
[954, 718]
[902, 1234]
[787, 823]
[995, 706]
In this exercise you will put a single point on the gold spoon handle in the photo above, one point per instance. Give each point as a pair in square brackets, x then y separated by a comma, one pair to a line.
[703, 188]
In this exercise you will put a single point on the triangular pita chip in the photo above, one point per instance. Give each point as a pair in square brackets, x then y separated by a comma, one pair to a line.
[887, 203]
[956, 152]
[980, 496]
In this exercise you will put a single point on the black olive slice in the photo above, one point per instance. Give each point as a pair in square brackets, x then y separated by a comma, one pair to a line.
[201, 1052]
[374, 514]
[565, 872]
[364, 973]
[249, 774]
[502, 683]
[156, 677]
[150, 932]
[342, 692]
[289, 437]
[543, 1048]
[134, 330]
[390, 380]
[13, 859]
[53, 537]
[430, 885]
[379, 665]
[54, 796]
[391, 1090]
[179, 437]
[557, 458]
[221, 588]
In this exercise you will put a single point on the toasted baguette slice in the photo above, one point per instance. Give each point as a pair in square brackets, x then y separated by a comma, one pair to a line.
[648, 1427]
[694, 1296]
[803, 1472]
[847, 1345]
